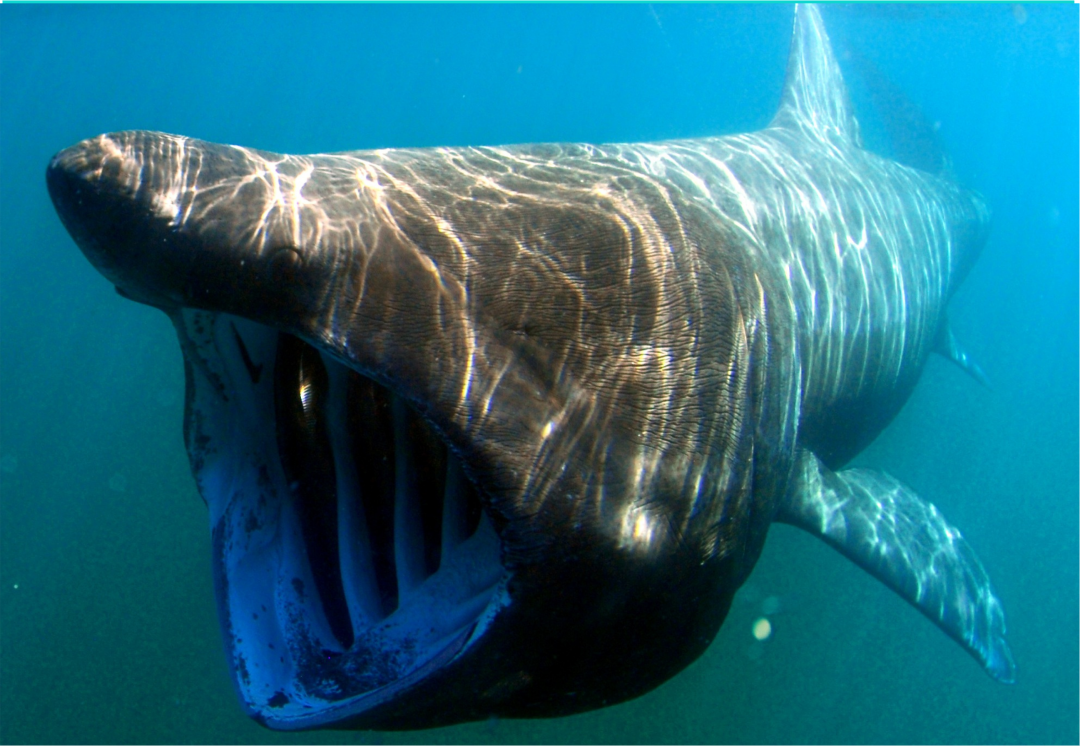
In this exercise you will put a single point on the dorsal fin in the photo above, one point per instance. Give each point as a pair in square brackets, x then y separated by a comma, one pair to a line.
[815, 98]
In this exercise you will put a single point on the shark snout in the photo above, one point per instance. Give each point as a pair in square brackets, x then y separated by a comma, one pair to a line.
[147, 210]
[103, 191]
[82, 197]
[111, 172]
[114, 160]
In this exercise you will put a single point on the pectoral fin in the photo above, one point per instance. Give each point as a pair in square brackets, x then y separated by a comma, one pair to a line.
[907, 544]
[947, 345]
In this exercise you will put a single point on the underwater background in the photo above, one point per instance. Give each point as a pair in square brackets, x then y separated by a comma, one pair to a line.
[108, 625]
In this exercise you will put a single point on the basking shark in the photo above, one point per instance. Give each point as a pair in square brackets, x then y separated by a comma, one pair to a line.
[501, 430]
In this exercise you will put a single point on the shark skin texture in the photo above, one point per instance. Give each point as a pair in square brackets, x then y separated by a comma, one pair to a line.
[501, 430]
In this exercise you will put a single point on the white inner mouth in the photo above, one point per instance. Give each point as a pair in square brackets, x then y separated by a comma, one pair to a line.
[351, 553]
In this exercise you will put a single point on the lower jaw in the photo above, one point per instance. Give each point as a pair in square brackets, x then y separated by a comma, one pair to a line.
[352, 557]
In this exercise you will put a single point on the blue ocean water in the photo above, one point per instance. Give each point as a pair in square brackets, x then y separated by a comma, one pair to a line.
[108, 629]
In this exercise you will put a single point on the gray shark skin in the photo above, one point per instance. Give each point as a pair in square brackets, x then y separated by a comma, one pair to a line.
[501, 430]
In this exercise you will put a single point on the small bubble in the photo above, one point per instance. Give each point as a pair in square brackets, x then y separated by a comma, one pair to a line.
[9, 463]
[762, 629]
[118, 482]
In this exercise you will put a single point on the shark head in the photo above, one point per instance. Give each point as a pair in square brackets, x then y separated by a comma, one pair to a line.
[500, 431]
[451, 444]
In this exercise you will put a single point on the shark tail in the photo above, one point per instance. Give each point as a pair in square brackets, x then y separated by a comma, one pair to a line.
[885, 528]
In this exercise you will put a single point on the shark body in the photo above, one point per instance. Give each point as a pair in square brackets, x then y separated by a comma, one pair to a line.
[500, 431]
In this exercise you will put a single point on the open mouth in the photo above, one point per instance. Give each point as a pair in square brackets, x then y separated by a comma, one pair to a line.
[352, 555]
